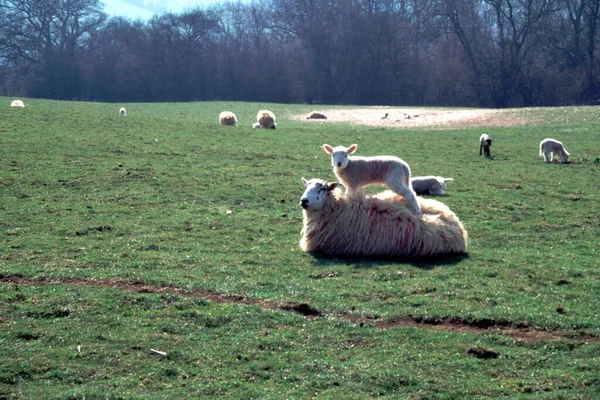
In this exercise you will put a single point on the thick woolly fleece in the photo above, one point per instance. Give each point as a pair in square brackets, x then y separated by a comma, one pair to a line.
[383, 226]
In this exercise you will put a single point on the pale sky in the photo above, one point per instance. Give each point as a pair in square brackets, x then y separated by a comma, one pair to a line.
[145, 9]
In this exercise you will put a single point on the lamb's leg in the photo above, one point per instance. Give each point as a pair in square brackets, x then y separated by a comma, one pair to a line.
[354, 192]
[480, 149]
[408, 194]
[547, 157]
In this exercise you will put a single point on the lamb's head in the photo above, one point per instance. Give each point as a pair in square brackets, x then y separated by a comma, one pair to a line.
[315, 193]
[339, 154]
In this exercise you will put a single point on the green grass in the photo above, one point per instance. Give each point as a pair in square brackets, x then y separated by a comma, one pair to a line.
[167, 197]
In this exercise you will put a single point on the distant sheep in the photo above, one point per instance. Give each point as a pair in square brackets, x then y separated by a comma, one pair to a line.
[122, 111]
[227, 118]
[266, 119]
[316, 115]
[432, 185]
[377, 226]
[484, 144]
[356, 172]
[555, 147]
[17, 103]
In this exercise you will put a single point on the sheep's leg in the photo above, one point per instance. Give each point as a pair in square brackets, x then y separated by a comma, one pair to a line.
[408, 194]
[547, 157]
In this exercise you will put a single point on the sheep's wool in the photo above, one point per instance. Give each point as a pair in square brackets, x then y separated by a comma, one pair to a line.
[381, 225]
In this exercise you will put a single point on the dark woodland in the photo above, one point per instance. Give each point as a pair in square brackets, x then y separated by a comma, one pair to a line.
[481, 53]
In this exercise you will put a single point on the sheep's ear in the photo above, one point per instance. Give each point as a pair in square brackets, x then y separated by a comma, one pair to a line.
[304, 181]
[328, 148]
[352, 148]
[332, 186]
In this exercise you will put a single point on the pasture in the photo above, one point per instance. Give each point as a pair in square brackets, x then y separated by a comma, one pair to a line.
[156, 256]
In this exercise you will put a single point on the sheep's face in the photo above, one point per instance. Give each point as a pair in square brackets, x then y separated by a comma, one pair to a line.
[339, 154]
[315, 193]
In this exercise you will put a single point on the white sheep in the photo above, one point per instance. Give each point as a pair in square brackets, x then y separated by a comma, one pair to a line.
[122, 111]
[484, 144]
[227, 118]
[377, 226]
[432, 185]
[266, 119]
[355, 172]
[17, 103]
[555, 147]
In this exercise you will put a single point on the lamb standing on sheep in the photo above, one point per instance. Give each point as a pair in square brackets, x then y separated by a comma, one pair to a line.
[376, 226]
[484, 144]
[227, 118]
[266, 119]
[356, 172]
[555, 147]
[432, 185]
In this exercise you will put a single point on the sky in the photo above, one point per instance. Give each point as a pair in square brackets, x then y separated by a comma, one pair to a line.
[145, 9]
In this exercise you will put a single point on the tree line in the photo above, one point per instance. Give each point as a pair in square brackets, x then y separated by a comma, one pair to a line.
[485, 53]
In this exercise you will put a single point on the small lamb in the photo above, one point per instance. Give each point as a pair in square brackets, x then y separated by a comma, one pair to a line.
[484, 144]
[356, 172]
[432, 185]
[122, 111]
[555, 147]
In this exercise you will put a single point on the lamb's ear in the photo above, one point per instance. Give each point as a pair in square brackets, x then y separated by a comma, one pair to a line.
[352, 148]
[304, 181]
[332, 186]
[328, 148]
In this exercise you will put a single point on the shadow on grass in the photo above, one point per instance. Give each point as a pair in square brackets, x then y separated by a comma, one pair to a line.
[425, 263]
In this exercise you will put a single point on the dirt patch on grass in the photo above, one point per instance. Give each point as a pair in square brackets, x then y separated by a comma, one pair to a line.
[501, 327]
[421, 117]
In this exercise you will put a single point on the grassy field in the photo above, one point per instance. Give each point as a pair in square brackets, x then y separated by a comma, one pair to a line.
[156, 256]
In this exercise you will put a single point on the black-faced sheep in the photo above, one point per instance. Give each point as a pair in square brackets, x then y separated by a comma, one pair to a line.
[266, 119]
[432, 185]
[227, 118]
[484, 144]
[356, 172]
[551, 147]
[381, 225]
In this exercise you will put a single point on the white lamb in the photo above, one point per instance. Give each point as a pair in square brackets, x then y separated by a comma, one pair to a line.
[266, 119]
[227, 118]
[356, 172]
[122, 111]
[553, 146]
[432, 185]
[17, 103]
[256, 125]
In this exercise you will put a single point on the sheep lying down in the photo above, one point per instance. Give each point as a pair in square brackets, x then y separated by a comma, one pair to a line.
[431, 185]
[381, 225]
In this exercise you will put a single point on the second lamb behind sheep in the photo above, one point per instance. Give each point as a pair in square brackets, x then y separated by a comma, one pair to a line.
[432, 185]
[554, 147]
[355, 172]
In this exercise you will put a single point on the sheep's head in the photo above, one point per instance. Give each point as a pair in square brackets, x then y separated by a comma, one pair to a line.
[339, 154]
[315, 193]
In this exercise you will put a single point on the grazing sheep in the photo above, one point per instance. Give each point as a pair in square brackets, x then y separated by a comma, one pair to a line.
[356, 172]
[432, 185]
[266, 119]
[484, 144]
[553, 146]
[378, 226]
[17, 103]
[122, 111]
[316, 115]
[227, 118]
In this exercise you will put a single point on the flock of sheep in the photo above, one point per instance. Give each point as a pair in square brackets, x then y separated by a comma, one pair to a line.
[389, 224]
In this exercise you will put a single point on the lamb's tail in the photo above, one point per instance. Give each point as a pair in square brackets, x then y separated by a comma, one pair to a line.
[566, 152]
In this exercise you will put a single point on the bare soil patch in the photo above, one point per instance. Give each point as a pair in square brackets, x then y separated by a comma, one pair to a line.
[421, 117]
[520, 332]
